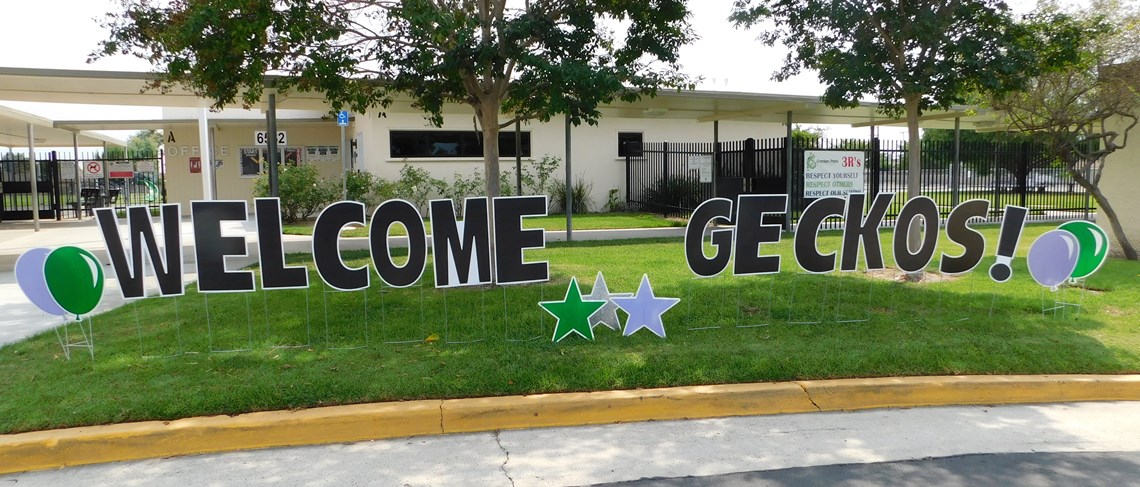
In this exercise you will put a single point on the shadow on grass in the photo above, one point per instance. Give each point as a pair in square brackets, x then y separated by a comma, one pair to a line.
[166, 358]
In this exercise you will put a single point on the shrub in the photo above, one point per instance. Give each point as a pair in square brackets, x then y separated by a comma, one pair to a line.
[416, 185]
[301, 192]
[581, 192]
[537, 175]
[672, 195]
[358, 186]
[460, 188]
[614, 202]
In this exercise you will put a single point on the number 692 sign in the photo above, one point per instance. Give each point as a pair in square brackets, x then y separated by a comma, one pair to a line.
[261, 137]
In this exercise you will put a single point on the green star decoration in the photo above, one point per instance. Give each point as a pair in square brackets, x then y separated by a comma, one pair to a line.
[572, 313]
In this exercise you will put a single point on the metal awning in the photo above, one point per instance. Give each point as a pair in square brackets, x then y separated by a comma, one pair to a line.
[14, 132]
[129, 88]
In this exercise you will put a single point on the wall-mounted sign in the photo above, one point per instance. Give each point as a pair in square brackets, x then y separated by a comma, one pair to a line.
[322, 153]
[703, 165]
[93, 168]
[195, 165]
[832, 173]
[261, 137]
[121, 170]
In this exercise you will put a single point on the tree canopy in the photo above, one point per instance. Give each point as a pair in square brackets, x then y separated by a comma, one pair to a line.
[912, 56]
[1085, 114]
[530, 61]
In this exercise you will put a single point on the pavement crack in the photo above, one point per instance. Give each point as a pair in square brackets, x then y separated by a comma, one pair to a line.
[808, 394]
[503, 466]
[441, 430]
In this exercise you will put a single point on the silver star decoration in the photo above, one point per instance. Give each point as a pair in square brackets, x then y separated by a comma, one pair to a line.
[607, 314]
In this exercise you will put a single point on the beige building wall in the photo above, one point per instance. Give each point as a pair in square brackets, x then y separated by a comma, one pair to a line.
[230, 137]
[1119, 184]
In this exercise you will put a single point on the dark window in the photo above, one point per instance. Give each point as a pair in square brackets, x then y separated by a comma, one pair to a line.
[451, 143]
[629, 144]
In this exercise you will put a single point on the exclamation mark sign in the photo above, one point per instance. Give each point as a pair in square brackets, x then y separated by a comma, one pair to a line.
[1011, 227]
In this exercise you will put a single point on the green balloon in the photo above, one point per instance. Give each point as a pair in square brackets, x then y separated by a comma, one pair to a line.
[1094, 247]
[75, 279]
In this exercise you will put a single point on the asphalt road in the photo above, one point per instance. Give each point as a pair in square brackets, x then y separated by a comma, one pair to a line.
[1112, 469]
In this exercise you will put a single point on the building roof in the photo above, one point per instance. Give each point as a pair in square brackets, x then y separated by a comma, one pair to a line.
[14, 132]
[130, 88]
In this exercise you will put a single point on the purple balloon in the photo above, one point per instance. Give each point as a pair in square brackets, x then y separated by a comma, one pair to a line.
[30, 277]
[1052, 257]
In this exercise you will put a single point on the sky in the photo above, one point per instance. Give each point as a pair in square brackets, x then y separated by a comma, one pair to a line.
[60, 34]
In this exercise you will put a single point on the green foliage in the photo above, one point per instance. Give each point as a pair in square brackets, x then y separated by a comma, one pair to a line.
[614, 202]
[114, 152]
[536, 174]
[416, 185]
[145, 143]
[580, 190]
[301, 190]
[1084, 114]
[933, 53]
[672, 194]
[530, 61]
[359, 186]
[806, 137]
[460, 188]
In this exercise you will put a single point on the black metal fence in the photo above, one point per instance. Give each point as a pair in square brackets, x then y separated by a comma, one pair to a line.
[67, 186]
[667, 177]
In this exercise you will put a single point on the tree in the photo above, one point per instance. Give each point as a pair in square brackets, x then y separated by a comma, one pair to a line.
[1085, 114]
[530, 61]
[806, 137]
[144, 142]
[911, 56]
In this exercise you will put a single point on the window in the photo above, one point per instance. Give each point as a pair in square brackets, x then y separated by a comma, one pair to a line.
[451, 143]
[253, 159]
[629, 144]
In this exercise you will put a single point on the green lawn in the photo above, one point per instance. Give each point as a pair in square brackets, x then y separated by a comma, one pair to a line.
[319, 347]
[588, 221]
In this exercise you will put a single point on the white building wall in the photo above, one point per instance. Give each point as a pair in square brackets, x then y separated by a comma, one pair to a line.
[594, 157]
[595, 148]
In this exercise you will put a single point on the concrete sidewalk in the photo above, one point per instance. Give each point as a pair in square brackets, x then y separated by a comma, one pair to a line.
[664, 449]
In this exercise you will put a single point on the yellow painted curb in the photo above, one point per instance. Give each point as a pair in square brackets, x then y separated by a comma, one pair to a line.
[572, 409]
[887, 392]
[156, 439]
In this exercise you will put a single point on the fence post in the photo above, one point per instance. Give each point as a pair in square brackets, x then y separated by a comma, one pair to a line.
[876, 166]
[956, 167]
[789, 173]
[162, 172]
[628, 180]
[715, 168]
[53, 170]
[665, 161]
[1023, 174]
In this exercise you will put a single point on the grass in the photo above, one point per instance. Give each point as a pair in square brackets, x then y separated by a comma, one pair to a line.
[587, 221]
[160, 359]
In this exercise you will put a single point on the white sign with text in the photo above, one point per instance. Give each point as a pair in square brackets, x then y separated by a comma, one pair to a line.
[832, 173]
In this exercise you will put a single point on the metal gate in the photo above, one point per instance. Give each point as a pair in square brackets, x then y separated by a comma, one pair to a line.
[72, 187]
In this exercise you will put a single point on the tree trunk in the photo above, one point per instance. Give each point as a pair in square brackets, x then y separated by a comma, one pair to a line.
[490, 122]
[914, 174]
[489, 118]
[1102, 202]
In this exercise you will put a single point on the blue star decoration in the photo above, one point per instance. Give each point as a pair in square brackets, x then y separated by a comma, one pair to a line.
[572, 313]
[607, 314]
[645, 309]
